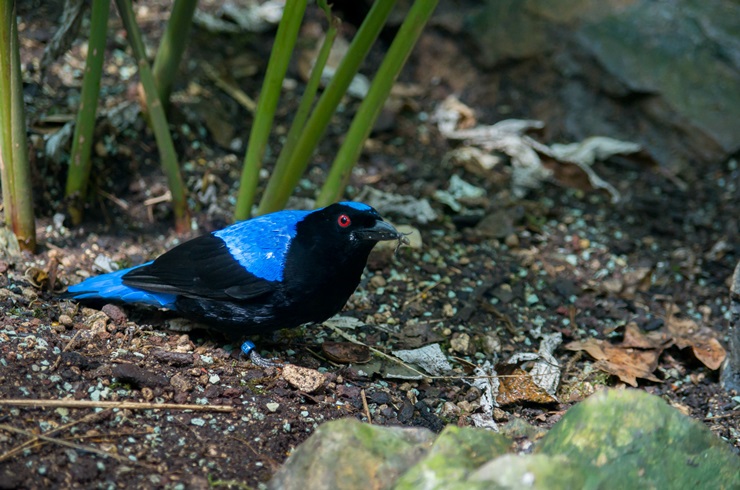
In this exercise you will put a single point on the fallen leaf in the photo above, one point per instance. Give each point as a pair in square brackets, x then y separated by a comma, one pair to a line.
[346, 352]
[635, 337]
[702, 340]
[516, 385]
[625, 362]
[430, 358]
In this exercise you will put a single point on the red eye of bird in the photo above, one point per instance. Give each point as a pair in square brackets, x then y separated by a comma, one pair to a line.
[344, 221]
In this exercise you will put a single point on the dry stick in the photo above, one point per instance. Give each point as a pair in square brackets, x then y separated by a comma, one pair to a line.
[66, 348]
[364, 405]
[723, 416]
[115, 200]
[230, 88]
[423, 375]
[421, 293]
[379, 352]
[12, 452]
[78, 447]
[106, 404]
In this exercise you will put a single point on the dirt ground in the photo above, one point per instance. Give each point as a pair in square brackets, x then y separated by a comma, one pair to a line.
[568, 261]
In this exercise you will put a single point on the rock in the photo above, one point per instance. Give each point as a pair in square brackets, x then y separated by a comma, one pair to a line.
[615, 439]
[173, 358]
[66, 320]
[731, 369]
[131, 373]
[630, 439]
[181, 383]
[460, 343]
[304, 379]
[347, 454]
[677, 62]
[456, 452]
[115, 313]
[496, 225]
[529, 471]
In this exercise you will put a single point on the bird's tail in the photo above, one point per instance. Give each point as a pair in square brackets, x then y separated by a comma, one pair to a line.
[110, 287]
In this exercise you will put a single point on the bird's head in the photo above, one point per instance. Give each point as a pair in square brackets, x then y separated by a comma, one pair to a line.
[355, 224]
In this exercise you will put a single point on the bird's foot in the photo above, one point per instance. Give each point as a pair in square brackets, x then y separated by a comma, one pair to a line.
[249, 349]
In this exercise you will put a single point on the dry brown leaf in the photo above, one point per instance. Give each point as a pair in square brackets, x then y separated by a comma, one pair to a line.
[594, 347]
[630, 364]
[635, 337]
[637, 355]
[702, 340]
[516, 385]
[624, 361]
[627, 284]
[346, 352]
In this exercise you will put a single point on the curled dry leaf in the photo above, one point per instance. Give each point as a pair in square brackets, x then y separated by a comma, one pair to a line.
[626, 363]
[517, 385]
[346, 352]
[638, 353]
[702, 340]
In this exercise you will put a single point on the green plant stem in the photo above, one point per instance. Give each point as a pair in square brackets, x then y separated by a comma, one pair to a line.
[159, 120]
[14, 165]
[277, 66]
[172, 47]
[79, 159]
[285, 177]
[312, 87]
[370, 108]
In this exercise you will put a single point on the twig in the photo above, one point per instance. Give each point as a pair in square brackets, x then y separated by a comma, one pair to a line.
[115, 200]
[107, 404]
[66, 348]
[485, 305]
[230, 88]
[423, 375]
[78, 447]
[166, 197]
[364, 405]
[379, 352]
[723, 416]
[12, 452]
[421, 294]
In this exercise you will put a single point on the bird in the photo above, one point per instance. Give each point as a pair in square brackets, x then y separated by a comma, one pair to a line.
[275, 271]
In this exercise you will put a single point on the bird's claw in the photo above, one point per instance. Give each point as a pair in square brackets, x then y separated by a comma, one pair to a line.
[248, 348]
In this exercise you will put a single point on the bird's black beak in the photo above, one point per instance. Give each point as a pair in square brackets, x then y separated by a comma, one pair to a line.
[379, 232]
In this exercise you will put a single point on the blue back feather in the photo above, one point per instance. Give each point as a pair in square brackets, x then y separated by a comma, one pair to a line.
[260, 244]
[110, 286]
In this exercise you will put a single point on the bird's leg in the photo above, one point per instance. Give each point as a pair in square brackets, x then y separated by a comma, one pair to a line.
[249, 349]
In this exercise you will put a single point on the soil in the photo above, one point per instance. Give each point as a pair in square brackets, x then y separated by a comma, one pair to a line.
[567, 261]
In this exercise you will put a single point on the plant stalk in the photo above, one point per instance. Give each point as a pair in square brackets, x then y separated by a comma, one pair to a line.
[277, 66]
[78, 174]
[166, 147]
[172, 46]
[312, 87]
[370, 108]
[285, 177]
[15, 171]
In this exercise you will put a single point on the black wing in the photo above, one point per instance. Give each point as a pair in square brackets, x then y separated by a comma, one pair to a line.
[200, 268]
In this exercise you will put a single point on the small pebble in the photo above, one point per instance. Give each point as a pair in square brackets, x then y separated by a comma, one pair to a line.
[460, 343]
[512, 240]
[304, 379]
[66, 320]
